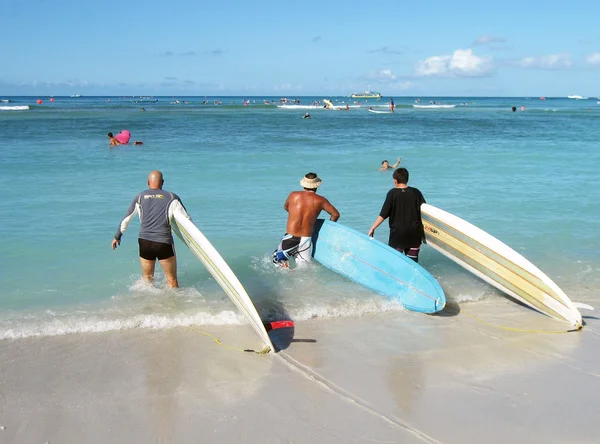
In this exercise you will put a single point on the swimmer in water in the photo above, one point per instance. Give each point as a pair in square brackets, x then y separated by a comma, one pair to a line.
[112, 141]
[306, 116]
[385, 165]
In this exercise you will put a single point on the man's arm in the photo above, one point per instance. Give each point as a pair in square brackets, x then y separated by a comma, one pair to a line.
[383, 214]
[397, 163]
[377, 222]
[286, 205]
[131, 212]
[333, 212]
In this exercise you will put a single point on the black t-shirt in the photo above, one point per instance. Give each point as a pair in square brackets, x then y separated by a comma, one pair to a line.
[403, 207]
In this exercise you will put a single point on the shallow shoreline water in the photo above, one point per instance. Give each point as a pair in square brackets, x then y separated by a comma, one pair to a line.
[91, 354]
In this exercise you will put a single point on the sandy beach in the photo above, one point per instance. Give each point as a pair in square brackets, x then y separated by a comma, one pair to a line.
[396, 377]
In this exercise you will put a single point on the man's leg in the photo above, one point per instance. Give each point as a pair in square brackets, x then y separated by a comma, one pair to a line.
[147, 269]
[413, 253]
[169, 266]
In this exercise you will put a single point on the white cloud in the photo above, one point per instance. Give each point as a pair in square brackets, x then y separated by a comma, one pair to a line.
[402, 86]
[593, 59]
[462, 63]
[552, 61]
[383, 75]
[485, 39]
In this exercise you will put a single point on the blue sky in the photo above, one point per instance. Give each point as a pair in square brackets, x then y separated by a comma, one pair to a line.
[279, 48]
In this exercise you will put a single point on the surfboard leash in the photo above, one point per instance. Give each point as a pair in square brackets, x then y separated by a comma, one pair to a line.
[217, 341]
[516, 329]
[268, 326]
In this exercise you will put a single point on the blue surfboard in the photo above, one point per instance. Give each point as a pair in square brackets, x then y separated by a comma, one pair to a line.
[376, 266]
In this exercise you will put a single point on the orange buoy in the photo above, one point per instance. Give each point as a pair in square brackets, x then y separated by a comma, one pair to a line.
[39, 101]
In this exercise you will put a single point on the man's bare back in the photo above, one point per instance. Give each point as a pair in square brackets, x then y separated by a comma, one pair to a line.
[304, 207]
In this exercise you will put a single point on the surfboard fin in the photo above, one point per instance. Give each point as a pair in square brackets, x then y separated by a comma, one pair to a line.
[277, 324]
[583, 306]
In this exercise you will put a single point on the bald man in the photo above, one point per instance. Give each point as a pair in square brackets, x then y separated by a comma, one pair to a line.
[155, 207]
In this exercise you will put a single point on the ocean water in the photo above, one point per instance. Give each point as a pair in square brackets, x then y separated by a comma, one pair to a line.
[527, 177]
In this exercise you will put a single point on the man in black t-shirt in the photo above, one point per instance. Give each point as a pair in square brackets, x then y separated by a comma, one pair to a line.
[403, 207]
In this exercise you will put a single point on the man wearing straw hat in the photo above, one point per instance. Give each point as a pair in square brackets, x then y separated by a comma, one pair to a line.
[303, 207]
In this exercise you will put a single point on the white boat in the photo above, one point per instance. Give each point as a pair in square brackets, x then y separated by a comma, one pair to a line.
[366, 95]
[576, 97]
[75, 96]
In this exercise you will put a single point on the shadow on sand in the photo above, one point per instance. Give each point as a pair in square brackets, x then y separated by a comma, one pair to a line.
[273, 311]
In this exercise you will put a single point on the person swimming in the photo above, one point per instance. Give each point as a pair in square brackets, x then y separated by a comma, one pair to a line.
[385, 165]
[306, 116]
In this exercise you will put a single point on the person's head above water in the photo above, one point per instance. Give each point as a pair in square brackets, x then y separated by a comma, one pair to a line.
[155, 180]
[110, 135]
[385, 164]
[311, 182]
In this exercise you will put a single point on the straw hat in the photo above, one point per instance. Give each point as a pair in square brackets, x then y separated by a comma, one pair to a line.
[311, 183]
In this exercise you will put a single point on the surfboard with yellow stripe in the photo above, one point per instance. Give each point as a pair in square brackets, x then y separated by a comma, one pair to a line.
[496, 263]
[185, 229]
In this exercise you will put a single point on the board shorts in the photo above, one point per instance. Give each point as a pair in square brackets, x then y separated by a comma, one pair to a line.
[299, 248]
[412, 252]
[151, 250]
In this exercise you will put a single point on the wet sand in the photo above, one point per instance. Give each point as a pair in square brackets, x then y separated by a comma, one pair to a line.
[396, 377]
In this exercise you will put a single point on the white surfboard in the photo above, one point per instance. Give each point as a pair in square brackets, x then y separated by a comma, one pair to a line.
[496, 263]
[185, 229]
[379, 112]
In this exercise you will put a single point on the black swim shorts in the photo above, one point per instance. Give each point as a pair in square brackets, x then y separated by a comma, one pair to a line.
[151, 250]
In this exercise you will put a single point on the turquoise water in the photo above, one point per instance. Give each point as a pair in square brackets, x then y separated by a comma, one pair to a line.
[528, 178]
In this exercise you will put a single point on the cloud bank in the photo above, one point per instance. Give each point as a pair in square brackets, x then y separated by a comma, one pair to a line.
[486, 39]
[462, 63]
[593, 59]
[549, 62]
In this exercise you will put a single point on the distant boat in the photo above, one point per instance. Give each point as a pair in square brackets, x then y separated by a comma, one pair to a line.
[366, 95]
[75, 96]
[576, 97]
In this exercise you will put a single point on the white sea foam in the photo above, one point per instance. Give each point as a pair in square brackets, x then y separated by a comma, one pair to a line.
[51, 323]
[96, 324]
[14, 108]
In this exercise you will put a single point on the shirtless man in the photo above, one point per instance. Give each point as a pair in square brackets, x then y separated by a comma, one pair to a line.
[303, 207]
[385, 165]
[155, 207]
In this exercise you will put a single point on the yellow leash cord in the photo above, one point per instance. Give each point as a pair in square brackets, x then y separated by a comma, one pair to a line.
[262, 352]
